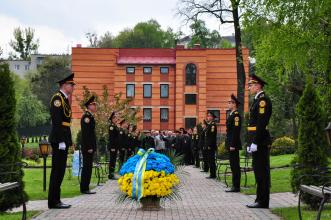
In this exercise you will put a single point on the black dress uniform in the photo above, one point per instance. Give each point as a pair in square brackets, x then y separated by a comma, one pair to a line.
[195, 149]
[88, 143]
[203, 148]
[122, 144]
[60, 111]
[210, 144]
[260, 113]
[148, 142]
[130, 145]
[233, 127]
[112, 146]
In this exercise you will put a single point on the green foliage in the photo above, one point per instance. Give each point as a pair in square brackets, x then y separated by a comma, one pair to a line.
[283, 145]
[203, 36]
[23, 43]
[225, 44]
[43, 82]
[144, 35]
[312, 146]
[9, 148]
[222, 152]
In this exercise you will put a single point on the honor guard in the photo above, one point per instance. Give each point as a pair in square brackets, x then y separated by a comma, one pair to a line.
[60, 139]
[259, 141]
[112, 144]
[210, 143]
[89, 144]
[203, 147]
[233, 142]
[195, 147]
[122, 141]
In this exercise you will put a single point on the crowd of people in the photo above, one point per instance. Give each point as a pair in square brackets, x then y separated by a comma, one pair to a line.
[195, 143]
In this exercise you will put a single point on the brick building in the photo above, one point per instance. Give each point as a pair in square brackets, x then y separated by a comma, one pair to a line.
[173, 87]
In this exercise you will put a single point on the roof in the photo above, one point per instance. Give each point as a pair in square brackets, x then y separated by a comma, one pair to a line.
[146, 56]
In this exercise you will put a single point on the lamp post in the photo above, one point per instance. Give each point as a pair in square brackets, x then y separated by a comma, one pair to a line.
[43, 148]
[328, 133]
[23, 141]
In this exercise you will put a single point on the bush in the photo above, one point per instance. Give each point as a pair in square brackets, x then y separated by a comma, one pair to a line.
[222, 152]
[282, 145]
[31, 154]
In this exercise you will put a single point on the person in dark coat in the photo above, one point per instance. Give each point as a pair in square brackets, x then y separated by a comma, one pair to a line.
[186, 145]
[60, 139]
[195, 147]
[233, 142]
[122, 141]
[259, 140]
[179, 143]
[130, 141]
[210, 143]
[112, 144]
[148, 141]
[89, 144]
[203, 147]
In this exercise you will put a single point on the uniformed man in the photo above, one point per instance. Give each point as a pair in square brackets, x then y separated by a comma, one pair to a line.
[112, 144]
[259, 141]
[210, 143]
[203, 147]
[89, 144]
[195, 147]
[148, 141]
[122, 141]
[130, 141]
[233, 142]
[60, 139]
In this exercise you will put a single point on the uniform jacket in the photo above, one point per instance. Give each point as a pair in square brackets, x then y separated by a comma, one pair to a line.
[113, 136]
[233, 127]
[210, 136]
[89, 140]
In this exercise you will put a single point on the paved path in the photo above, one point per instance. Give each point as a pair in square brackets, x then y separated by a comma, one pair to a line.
[201, 199]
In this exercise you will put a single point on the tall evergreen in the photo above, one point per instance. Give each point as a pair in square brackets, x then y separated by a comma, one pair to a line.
[312, 147]
[10, 151]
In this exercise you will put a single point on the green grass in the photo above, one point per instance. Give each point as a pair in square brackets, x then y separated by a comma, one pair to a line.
[33, 179]
[291, 213]
[17, 215]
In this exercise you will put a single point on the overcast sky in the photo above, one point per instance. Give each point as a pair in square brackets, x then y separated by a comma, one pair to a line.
[60, 24]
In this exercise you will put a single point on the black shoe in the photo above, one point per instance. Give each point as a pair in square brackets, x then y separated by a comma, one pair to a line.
[211, 177]
[87, 192]
[257, 205]
[203, 171]
[233, 190]
[59, 206]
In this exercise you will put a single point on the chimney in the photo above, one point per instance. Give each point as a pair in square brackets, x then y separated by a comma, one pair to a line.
[196, 46]
[180, 46]
[79, 45]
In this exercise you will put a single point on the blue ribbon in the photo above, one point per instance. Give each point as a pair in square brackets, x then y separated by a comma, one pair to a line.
[138, 176]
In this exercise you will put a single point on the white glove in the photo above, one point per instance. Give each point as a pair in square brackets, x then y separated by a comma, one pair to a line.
[253, 147]
[249, 150]
[62, 146]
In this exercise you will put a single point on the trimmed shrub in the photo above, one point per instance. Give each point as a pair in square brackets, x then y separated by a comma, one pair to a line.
[222, 152]
[282, 145]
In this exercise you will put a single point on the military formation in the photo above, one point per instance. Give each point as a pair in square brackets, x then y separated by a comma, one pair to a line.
[198, 145]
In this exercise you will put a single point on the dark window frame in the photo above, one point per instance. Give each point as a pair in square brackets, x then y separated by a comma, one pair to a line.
[161, 91]
[189, 80]
[164, 67]
[134, 90]
[190, 103]
[195, 119]
[151, 114]
[164, 120]
[145, 67]
[128, 67]
[151, 90]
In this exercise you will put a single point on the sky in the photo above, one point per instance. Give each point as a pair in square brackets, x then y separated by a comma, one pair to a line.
[62, 24]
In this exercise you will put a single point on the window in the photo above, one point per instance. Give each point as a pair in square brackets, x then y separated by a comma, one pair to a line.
[164, 114]
[216, 113]
[164, 90]
[147, 114]
[147, 90]
[190, 122]
[27, 67]
[130, 70]
[147, 70]
[164, 70]
[17, 67]
[130, 90]
[190, 99]
[190, 74]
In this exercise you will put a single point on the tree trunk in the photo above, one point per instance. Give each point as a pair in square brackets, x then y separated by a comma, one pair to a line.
[241, 77]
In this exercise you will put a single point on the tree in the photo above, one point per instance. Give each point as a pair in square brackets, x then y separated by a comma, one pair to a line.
[312, 147]
[106, 41]
[23, 43]
[93, 39]
[43, 83]
[9, 148]
[1, 51]
[227, 11]
[30, 111]
[202, 35]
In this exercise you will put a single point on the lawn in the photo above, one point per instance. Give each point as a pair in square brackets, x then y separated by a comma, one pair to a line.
[17, 215]
[33, 179]
[291, 213]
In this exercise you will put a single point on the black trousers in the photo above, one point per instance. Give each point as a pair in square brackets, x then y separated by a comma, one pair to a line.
[86, 171]
[205, 160]
[212, 162]
[196, 158]
[235, 168]
[59, 164]
[261, 166]
[122, 152]
[112, 161]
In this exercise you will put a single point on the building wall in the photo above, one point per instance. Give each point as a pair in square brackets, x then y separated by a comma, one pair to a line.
[216, 80]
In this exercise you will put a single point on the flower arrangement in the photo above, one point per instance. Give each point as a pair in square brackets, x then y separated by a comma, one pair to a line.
[148, 176]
